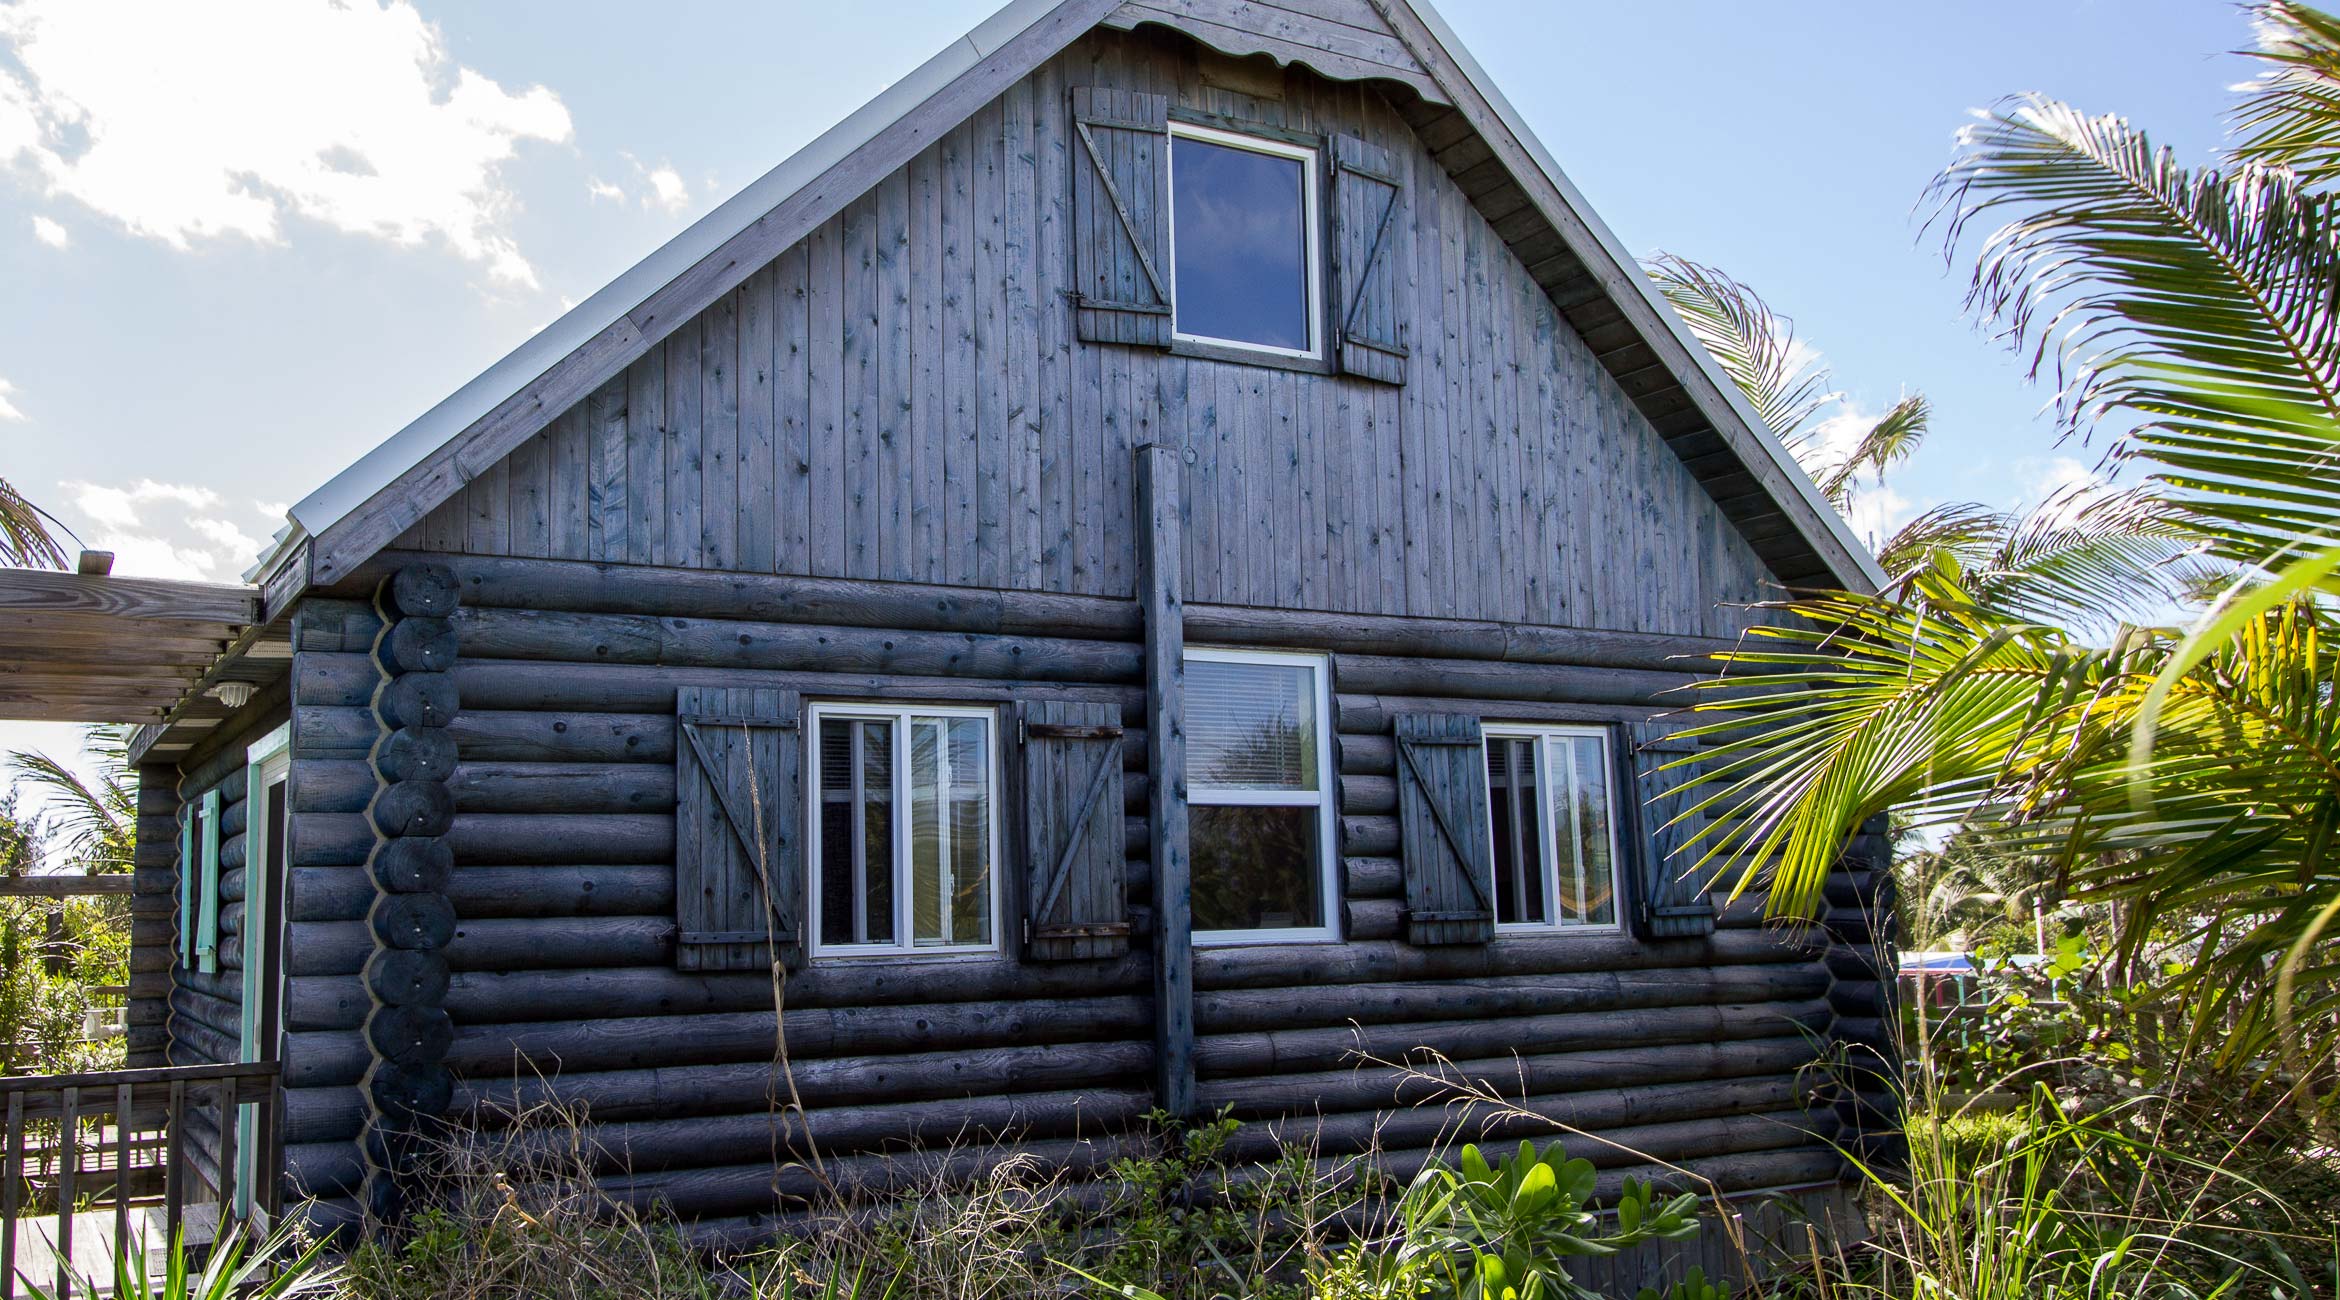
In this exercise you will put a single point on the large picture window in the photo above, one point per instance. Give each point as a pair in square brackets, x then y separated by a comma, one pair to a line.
[904, 830]
[1554, 823]
[1259, 796]
[1243, 242]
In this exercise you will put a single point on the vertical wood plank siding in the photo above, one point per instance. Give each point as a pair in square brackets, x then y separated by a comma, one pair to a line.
[901, 397]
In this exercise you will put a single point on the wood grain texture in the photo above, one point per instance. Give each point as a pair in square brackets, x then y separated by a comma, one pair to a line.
[911, 372]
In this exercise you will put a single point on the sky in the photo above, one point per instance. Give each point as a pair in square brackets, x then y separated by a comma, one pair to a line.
[242, 241]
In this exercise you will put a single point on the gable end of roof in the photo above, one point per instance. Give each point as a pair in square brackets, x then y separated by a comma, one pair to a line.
[1596, 285]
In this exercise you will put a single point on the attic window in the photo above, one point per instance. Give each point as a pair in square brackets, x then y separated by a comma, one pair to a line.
[1243, 242]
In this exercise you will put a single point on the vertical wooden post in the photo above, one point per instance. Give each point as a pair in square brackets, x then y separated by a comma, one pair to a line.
[1161, 586]
[125, 1097]
[13, 1171]
[68, 1165]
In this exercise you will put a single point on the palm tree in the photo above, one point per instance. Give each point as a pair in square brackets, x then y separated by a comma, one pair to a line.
[2191, 774]
[93, 822]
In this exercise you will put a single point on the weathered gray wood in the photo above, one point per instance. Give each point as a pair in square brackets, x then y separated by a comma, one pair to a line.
[1162, 581]
[737, 830]
[1281, 1051]
[611, 638]
[617, 1043]
[1495, 435]
[1076, 903]
[716, 1089]
[1442, 795]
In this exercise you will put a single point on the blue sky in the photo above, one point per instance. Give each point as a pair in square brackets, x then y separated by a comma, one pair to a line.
[243, 240]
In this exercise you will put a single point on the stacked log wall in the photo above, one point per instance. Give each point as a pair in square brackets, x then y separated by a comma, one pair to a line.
[328, 894]
[564, 985]
[204, 1018]
[154, 917]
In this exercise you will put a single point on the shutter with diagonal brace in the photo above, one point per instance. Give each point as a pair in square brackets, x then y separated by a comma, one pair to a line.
[1670, 899]
[738, 841]
[1076, 891]
[1121, 216]
[1442, 813]
[1367, 195]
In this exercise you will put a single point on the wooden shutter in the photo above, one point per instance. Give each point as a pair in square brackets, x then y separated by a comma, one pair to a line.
[738, 818]
[207, 918]
[188, 830]
[1076, 900]
[1121, 216]
[1367, 196]
[1442, 813]
[1669, 900]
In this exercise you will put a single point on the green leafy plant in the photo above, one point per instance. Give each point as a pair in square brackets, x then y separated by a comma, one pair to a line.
[1517, 1221]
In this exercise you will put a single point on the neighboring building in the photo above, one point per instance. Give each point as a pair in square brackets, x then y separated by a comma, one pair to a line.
[1145, 561]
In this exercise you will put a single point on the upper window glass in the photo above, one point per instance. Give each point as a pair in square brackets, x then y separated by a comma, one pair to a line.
[903, 832]
[1243, 249]
[1555, 839]
[1259, 809]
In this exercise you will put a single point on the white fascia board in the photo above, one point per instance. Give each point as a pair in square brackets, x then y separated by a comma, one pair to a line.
[380, 467]
[1631, 266]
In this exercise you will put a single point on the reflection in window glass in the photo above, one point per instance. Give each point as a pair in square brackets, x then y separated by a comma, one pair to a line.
[940, 859]
[1241, 237]
[1255, 868]
[857, 830]
[1257, 794]
[1515, 809]
[1251, 726]
[1549, 808]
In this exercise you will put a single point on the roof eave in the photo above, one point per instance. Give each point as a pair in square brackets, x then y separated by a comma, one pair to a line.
[345, 492]
[1817, 516]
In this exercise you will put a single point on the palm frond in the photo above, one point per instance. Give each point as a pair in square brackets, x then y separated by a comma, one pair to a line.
[2199, 305]
[1891, 440]
[1969, 531]
[26, 541]
[1755, 345]
[94, 821]
[1918, 700]
[2290, 113]
[2088, 556]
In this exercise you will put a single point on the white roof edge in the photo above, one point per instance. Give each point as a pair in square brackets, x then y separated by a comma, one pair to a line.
[1610, 244]
[380, 467]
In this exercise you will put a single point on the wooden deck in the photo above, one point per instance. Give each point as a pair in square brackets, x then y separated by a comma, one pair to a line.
[91, 1256]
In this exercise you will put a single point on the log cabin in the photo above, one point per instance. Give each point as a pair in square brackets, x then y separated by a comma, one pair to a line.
[1149, 567]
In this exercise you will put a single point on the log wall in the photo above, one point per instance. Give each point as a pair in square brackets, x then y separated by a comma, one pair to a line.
[900, 397]
[203, 1011]
[564, 986]
[154, 917]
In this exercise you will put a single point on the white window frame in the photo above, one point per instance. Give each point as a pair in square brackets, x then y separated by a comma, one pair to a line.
[1549, 850]
[1309, 216]
[904, 904]
[1327, 840]
[266, 762]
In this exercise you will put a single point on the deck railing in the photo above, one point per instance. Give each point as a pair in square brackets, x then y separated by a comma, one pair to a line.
[139, 1146]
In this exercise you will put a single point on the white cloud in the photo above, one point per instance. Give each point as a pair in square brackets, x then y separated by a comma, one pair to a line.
[8, 409]
[50, 233]
[2045, 476]
[660, 187]
[1876, 509]
[198, 119]
[164, 530]
[667, 189]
